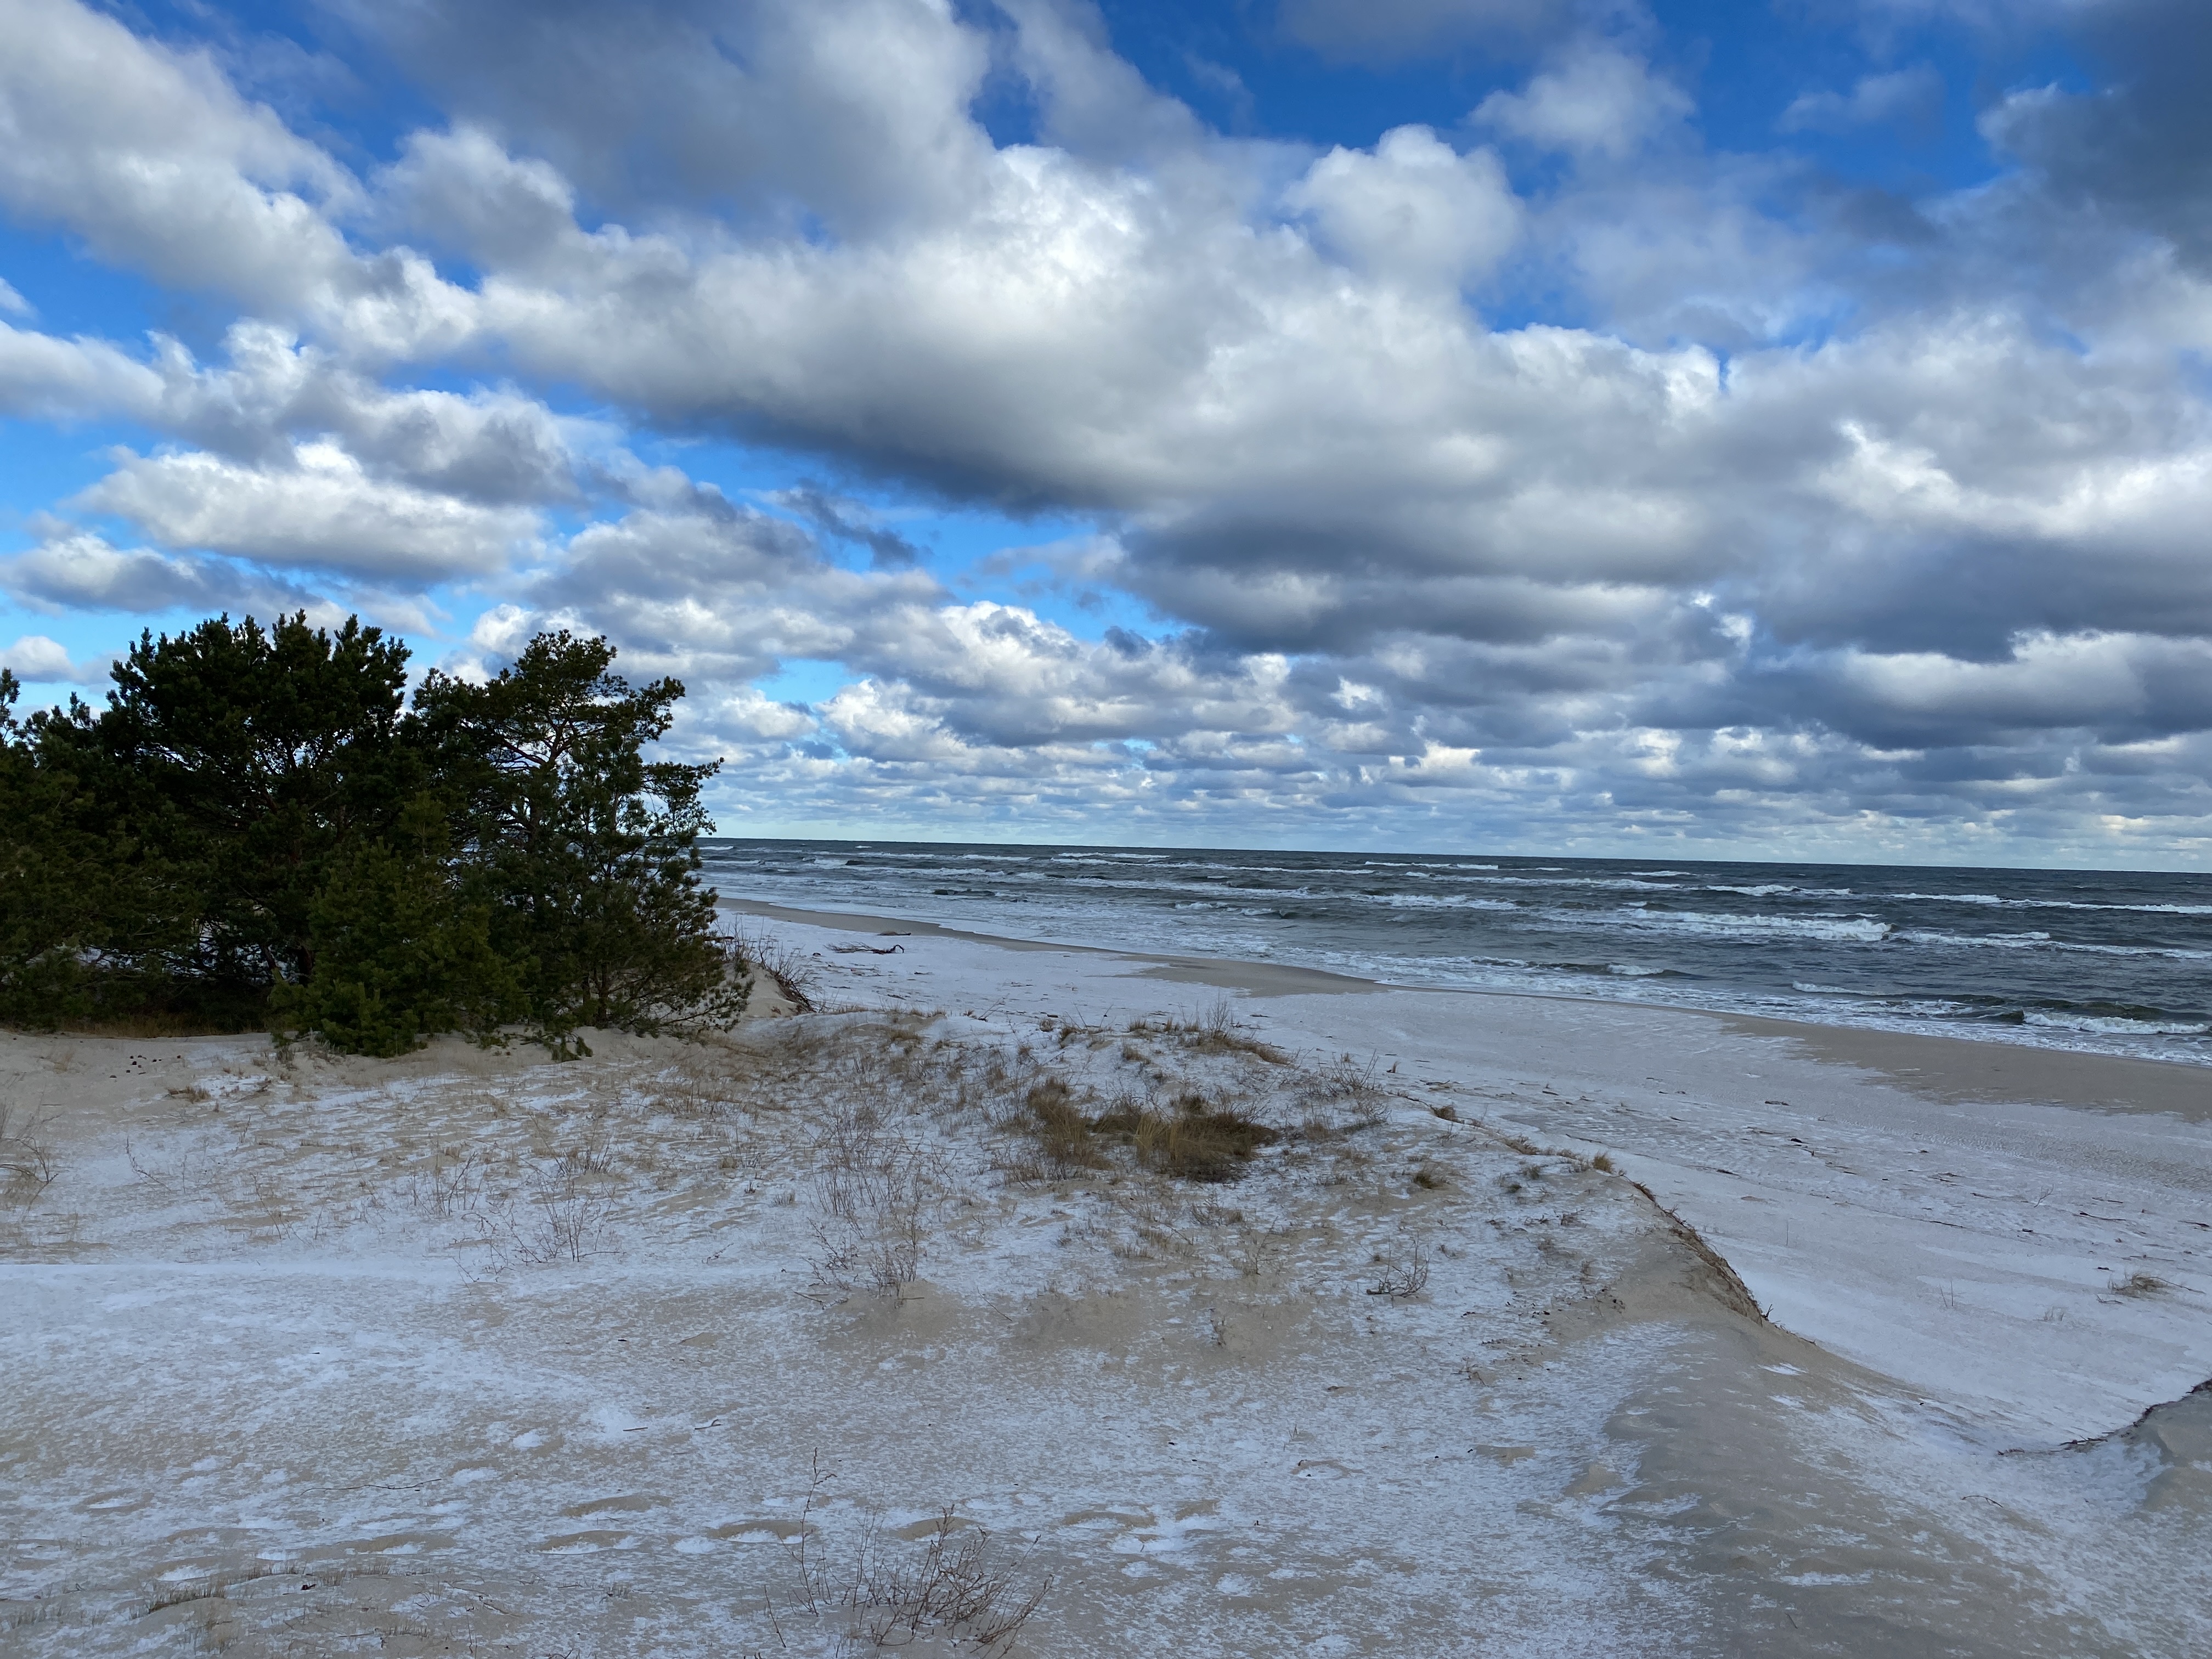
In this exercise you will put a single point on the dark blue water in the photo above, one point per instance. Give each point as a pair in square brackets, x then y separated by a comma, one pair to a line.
[2115, 963]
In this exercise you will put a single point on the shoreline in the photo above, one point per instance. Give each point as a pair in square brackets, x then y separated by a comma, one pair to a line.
[1941, 1066]
[1258, 979]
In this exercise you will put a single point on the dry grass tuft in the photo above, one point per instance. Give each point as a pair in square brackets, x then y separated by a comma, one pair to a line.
[1213, 1031]
[1064, 1137]
[1191, 1140]
[1348, 1084]
[955, 1592]
[2139, 1284]
[877, 1194]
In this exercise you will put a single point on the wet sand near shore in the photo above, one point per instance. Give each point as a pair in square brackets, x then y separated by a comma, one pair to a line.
[1259, 979]
[1962, 1069]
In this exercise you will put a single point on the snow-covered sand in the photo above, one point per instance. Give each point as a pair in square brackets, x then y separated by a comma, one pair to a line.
[478, 1353]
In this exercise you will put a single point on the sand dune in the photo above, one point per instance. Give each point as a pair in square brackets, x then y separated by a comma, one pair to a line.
[474, 1353]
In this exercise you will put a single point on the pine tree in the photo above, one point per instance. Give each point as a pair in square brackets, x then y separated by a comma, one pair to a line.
[88, 917]
[247, 760]
[586, 851]
[401, 953]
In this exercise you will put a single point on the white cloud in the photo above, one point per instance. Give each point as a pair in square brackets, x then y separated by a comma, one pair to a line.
[851, 113]
[1413, 209]
[744, 714]
[43, 376]
[36, 658]
[1912, 96]
[154, 159]
[1593, 100]
[74, 569]
[325, 511]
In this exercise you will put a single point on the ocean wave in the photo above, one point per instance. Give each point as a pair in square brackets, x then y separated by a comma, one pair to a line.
[1441, 902]
[2114, 1024]
[2040, 941]
[1601, 883]
[1851, 930]
[1995, 900]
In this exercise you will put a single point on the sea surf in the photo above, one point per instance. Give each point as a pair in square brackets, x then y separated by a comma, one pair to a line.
[2104, 962]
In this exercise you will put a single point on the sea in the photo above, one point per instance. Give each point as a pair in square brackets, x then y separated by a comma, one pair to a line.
[2108, 962]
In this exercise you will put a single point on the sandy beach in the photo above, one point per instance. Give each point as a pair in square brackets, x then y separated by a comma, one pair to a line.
[1528, 1326]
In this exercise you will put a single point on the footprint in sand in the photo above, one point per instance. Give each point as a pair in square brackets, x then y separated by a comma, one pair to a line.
[628, 1504]
[589, 1543]
[759, 1532]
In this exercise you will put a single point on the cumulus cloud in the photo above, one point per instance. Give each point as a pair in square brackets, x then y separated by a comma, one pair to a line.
[719, 591]
[852, 110]
[323, 511]
[1593, 100]
[1413, 209]
[80, 570]
[1776, 519]
[43, 376]
[154, 161]
[34, 657]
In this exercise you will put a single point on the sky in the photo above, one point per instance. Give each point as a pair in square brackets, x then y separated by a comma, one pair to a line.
[1762, 428]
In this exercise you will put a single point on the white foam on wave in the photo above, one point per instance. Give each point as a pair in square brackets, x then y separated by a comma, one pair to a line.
[2040, 941]
[1445, 902]
[1605, 884]
[2116, 1025]
[1994, 901]
[1849, 930]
